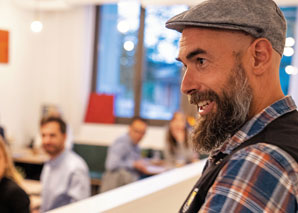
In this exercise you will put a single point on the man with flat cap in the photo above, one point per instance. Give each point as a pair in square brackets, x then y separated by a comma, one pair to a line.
[231, 50]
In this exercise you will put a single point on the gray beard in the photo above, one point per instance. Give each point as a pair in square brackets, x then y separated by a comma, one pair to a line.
[212, 130]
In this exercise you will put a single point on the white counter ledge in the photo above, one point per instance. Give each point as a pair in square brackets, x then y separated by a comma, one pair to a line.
[160, 193]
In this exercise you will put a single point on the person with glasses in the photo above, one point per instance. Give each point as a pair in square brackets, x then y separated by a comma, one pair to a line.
[124, 163]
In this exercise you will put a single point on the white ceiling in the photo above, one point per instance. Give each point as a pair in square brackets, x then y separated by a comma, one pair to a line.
[66, 4]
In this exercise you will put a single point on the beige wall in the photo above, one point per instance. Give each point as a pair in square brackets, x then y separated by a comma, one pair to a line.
[53, 67]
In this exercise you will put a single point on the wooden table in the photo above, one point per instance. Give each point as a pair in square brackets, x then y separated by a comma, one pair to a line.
[30, 156]
[29, 162]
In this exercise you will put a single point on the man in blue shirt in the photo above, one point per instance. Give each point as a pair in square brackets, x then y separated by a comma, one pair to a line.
[124, 163]
[65, 177]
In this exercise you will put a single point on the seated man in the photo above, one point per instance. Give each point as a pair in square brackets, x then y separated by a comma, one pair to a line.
[65, 177]
[53, 111]
[124, 163]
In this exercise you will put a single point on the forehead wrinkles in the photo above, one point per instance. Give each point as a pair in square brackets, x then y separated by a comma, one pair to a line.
[199, 42]
[182, 46]
[189, 50]
[226, 39]
[189, 36]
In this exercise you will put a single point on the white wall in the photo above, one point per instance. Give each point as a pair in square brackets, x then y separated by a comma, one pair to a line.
[55, 67]
[164, 192]
[13, 75]
[64, 70]
[51, 67]
[100, 134]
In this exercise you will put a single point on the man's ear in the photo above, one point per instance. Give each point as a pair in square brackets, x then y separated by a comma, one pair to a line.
[261, 50]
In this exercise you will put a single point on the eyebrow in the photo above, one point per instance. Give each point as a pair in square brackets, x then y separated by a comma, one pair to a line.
[193, 53]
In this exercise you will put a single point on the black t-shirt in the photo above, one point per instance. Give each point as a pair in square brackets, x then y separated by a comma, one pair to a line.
[13, 199]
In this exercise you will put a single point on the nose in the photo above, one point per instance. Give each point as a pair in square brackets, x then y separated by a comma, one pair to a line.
[45, 140]
[188, 84]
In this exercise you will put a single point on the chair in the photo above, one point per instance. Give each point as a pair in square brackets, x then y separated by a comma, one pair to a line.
[95, 157]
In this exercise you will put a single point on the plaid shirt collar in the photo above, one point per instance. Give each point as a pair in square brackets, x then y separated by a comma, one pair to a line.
[257, 124]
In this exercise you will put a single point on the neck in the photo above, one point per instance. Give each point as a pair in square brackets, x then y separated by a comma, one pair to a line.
[53, 156]
[263, 99]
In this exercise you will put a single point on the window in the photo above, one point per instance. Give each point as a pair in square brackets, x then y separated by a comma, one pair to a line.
[136, 60]
[286, 70]
[117, 43]
[162, 73]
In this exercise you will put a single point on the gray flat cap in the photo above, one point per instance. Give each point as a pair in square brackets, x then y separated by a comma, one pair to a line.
[259, 18]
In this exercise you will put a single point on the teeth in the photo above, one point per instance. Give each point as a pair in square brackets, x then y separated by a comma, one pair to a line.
[202, 105]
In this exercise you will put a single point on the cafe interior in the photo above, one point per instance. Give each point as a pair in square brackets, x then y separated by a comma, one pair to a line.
[99, 63]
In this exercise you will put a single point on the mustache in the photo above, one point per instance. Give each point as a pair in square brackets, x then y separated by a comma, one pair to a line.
[196, 97]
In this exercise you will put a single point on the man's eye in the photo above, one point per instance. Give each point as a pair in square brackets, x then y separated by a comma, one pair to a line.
[201, 61]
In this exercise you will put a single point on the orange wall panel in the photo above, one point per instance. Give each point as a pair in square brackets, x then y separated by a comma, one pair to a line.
[4, 46]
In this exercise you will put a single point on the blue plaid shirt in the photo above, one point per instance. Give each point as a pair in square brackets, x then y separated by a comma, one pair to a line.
[260, 177]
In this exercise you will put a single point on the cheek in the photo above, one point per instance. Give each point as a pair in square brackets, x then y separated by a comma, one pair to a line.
[225, 86]
[138, 136]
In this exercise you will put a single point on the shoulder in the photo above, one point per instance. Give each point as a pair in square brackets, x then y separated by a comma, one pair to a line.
[266, 156]
[12, 188]
[122, 139]
[75, 162]
[265, 168]
[255, 179]
[122, 142]
[14, 194]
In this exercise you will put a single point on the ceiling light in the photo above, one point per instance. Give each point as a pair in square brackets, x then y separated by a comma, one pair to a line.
[36, 26]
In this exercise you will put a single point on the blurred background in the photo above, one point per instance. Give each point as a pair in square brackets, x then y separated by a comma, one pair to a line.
[86, 55]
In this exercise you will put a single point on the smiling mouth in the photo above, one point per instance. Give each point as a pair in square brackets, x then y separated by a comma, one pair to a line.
[204, 107]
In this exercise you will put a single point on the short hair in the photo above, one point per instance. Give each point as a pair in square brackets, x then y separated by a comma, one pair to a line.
[58, 120]
[135, 118]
